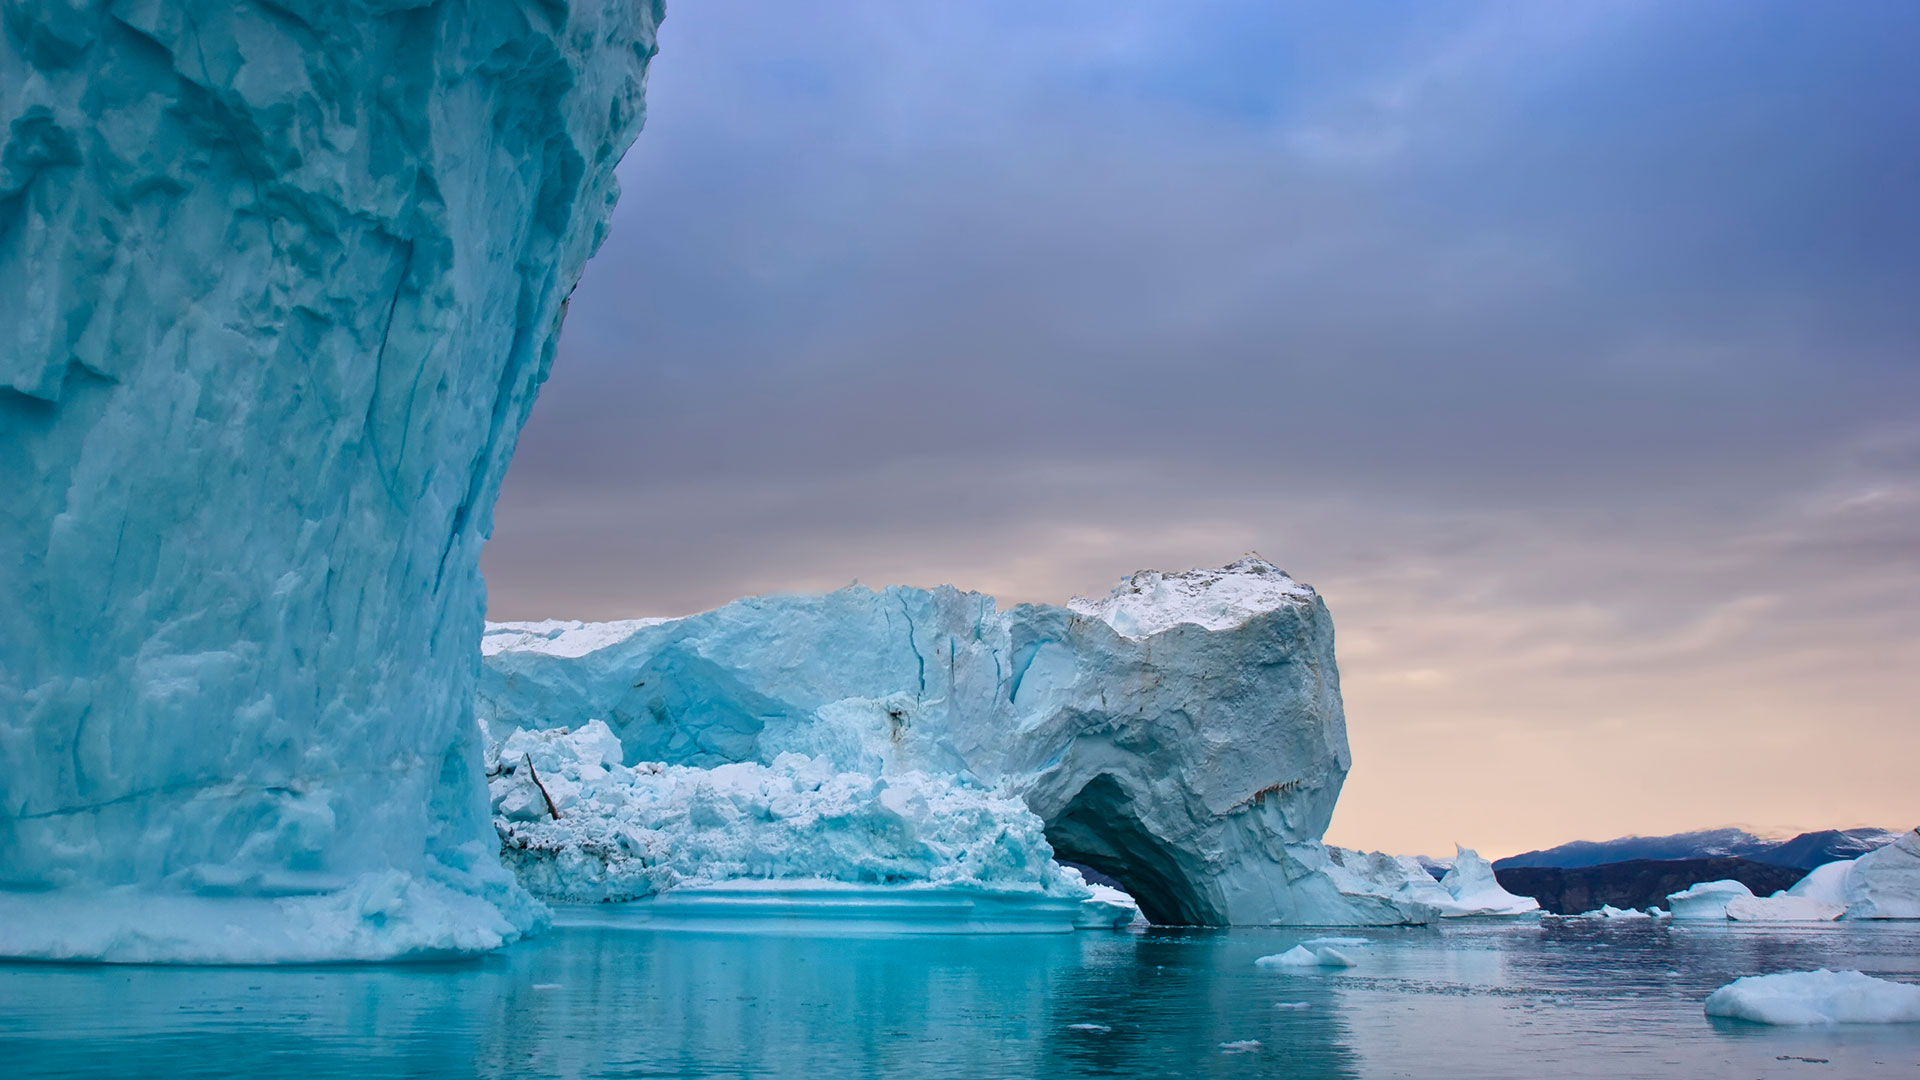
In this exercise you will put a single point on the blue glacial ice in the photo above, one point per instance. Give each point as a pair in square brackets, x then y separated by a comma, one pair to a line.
[1183, 735]
[278, 283]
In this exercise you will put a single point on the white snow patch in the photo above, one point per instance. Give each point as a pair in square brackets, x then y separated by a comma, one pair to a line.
[567, 638]
[1816, 997]
[1150, 602]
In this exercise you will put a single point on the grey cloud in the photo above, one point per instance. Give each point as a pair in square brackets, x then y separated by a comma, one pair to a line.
[1570, 349]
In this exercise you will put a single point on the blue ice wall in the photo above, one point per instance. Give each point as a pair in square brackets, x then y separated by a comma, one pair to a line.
[278, 283]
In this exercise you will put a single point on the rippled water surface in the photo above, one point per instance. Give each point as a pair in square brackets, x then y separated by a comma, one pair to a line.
[1562, 1000]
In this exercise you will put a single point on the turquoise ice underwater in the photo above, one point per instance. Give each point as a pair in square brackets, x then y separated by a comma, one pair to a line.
[1566, 998]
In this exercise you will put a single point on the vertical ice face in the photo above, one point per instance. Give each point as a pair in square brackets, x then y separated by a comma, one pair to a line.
[278, 283]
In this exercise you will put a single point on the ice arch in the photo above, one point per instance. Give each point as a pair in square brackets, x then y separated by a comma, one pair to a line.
[1101, 828]
[279, 280]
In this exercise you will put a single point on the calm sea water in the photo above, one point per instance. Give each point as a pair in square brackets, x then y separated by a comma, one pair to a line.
[1562, 1000]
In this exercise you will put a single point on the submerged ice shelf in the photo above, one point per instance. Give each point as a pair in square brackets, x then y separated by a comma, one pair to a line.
[277, 287]
[1184, 736]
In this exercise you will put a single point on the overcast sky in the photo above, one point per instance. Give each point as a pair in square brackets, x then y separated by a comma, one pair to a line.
[1572, 351]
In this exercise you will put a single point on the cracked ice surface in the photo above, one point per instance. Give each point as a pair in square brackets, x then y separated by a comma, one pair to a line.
[278, 284]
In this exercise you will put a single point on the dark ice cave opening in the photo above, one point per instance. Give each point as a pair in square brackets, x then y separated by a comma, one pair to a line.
[1101, 829]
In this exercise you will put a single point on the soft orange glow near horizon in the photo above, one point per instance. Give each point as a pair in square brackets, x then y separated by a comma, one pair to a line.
[1510, 682]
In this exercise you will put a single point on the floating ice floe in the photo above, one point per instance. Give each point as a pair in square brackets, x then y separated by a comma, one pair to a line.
[1816, 997]
[1608, 911]
[1109, 908]
[1319, 952]
[1242, 1046]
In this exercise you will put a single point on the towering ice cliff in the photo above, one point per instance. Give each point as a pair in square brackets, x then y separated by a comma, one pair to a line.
[278, 283]
[1184, 735]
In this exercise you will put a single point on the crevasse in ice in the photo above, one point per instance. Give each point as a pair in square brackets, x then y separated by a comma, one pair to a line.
[278, 283]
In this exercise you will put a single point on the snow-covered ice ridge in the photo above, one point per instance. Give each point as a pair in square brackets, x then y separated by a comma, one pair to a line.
[1198, 763]
[1150, 602]
[278, 284]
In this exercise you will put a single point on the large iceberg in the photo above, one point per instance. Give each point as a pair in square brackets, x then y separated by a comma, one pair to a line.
[1183, 735]
[1472, 889]
[1882, 884]
[278, 283]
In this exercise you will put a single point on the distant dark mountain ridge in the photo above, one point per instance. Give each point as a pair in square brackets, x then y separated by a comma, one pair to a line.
[1809, 850]
[1803, 852]
[1638, 883]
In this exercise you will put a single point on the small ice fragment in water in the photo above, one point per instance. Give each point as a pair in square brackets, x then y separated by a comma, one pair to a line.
[1308, 954]
[1608, 911]
[1816, 997]
[546, 986]
[1244, 1046]
[1293, 1004]
[1089, 1027]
